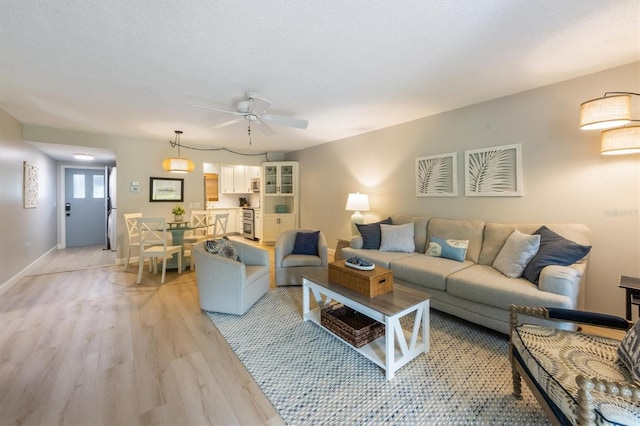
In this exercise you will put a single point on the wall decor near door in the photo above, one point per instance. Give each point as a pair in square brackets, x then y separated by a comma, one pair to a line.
[495, 171]
[30, 186]
[437, 175]
[166, 189]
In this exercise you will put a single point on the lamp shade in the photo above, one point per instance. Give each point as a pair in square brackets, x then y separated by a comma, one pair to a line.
[606, 112]
[623, 140]
[178, 165]
[357, 202]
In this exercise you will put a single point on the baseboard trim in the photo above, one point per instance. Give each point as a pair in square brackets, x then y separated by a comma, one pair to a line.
[20, 275]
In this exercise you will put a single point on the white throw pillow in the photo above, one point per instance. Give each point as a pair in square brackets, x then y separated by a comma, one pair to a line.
[516, 253]
[397, 238]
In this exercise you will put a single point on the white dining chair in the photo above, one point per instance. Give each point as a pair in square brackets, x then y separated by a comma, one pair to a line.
[218, 227]
[133, 235]
[153, 245]
[199, 221]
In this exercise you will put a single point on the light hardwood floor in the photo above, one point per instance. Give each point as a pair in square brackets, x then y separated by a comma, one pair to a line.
[82, 344]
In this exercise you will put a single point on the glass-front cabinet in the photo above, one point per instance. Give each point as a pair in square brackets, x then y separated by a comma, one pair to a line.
[279, 178]
[279, 198]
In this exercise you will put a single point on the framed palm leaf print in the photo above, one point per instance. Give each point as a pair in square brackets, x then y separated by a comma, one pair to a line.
[493, 172]
[437, 175]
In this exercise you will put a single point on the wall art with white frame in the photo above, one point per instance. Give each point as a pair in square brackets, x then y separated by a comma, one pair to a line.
[30, 186]
[437, 175]
[493, 172]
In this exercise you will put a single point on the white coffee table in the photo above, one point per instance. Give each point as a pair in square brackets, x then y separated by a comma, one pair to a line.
[397, 346]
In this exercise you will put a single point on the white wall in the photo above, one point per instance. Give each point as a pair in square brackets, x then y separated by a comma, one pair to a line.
[19, 226]
[565, 177]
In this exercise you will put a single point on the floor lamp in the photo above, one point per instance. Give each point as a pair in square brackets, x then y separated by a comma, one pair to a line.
[356, 203]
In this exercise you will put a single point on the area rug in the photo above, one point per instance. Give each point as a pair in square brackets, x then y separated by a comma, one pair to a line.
[311, 377]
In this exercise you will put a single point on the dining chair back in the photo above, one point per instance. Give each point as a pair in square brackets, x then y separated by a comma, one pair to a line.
[133, 236]
[153, 245]
[199, 221]
[220, 229]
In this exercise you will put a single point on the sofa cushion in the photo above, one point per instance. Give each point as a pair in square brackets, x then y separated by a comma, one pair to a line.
[397, 238]
[496, 234]
[379, 258]
[516, 253]
[427, 271]
[485, 284]
[419, 229]
[555, 357]
[306, 243]
[554, 250]
[448, 229]
[629, 351]
[449, 249]
[371, 235]
[222, 247]
[294, 260]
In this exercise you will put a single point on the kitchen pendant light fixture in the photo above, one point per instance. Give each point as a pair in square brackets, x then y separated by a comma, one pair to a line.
[609, 113]
[177, 164]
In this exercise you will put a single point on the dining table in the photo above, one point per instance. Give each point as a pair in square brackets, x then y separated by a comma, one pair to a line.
[177, 230]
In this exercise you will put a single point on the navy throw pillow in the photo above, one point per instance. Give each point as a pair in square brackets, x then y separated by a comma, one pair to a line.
[554, 250]
[371, 234]
[306, 243]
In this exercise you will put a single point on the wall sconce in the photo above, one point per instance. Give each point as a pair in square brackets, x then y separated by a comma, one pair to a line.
[610, 112]
[177, 164]
[356, 203]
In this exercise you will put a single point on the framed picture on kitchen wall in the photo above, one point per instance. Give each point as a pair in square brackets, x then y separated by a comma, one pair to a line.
[493, 172]
[166, 189]
[437, 175]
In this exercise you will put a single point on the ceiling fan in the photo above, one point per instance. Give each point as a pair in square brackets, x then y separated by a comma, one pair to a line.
[254, 110]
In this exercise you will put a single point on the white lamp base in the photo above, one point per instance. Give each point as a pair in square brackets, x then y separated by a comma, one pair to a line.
[356, 218]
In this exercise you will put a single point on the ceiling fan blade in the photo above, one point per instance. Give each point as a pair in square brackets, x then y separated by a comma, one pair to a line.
[285, 121]
[265, 128]
[227, 123]
[259, 106]
[214, 109]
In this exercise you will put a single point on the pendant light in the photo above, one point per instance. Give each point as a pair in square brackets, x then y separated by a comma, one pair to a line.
[177, 164]
[609, 113]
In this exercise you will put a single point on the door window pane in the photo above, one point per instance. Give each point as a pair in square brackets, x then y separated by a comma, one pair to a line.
[78, 186]
[98, 186]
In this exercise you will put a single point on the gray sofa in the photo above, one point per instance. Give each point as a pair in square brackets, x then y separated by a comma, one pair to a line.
[473, 289]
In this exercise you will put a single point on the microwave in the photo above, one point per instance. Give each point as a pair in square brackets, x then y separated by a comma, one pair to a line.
[255, 184]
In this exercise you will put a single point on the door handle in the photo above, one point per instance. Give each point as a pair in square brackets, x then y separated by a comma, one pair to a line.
[67, 208]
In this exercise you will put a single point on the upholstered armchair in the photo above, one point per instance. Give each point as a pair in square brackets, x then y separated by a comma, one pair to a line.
[577, 378]
[294, 260]
[231, 286]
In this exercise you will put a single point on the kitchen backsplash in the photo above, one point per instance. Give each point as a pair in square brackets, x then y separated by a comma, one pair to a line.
[232, 200]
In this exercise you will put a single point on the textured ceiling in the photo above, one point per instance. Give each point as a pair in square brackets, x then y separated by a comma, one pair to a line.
[135, 67]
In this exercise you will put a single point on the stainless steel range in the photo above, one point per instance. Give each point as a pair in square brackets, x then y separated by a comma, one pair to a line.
[248, 223]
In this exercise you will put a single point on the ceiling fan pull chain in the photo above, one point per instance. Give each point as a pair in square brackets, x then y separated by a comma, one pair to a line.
[249, 132]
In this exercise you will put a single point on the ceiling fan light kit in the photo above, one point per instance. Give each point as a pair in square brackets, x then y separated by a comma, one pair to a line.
[177, 164]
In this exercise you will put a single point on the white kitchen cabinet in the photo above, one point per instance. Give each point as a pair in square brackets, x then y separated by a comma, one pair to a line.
[236, 179]
[258, 223]
[274, 224]
[279, 198]
[227, 174]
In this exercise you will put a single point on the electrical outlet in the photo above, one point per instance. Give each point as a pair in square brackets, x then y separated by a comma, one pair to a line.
[27, 246]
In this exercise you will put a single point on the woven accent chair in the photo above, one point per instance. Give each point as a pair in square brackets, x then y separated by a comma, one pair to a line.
[576, 377]
[290, 267]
